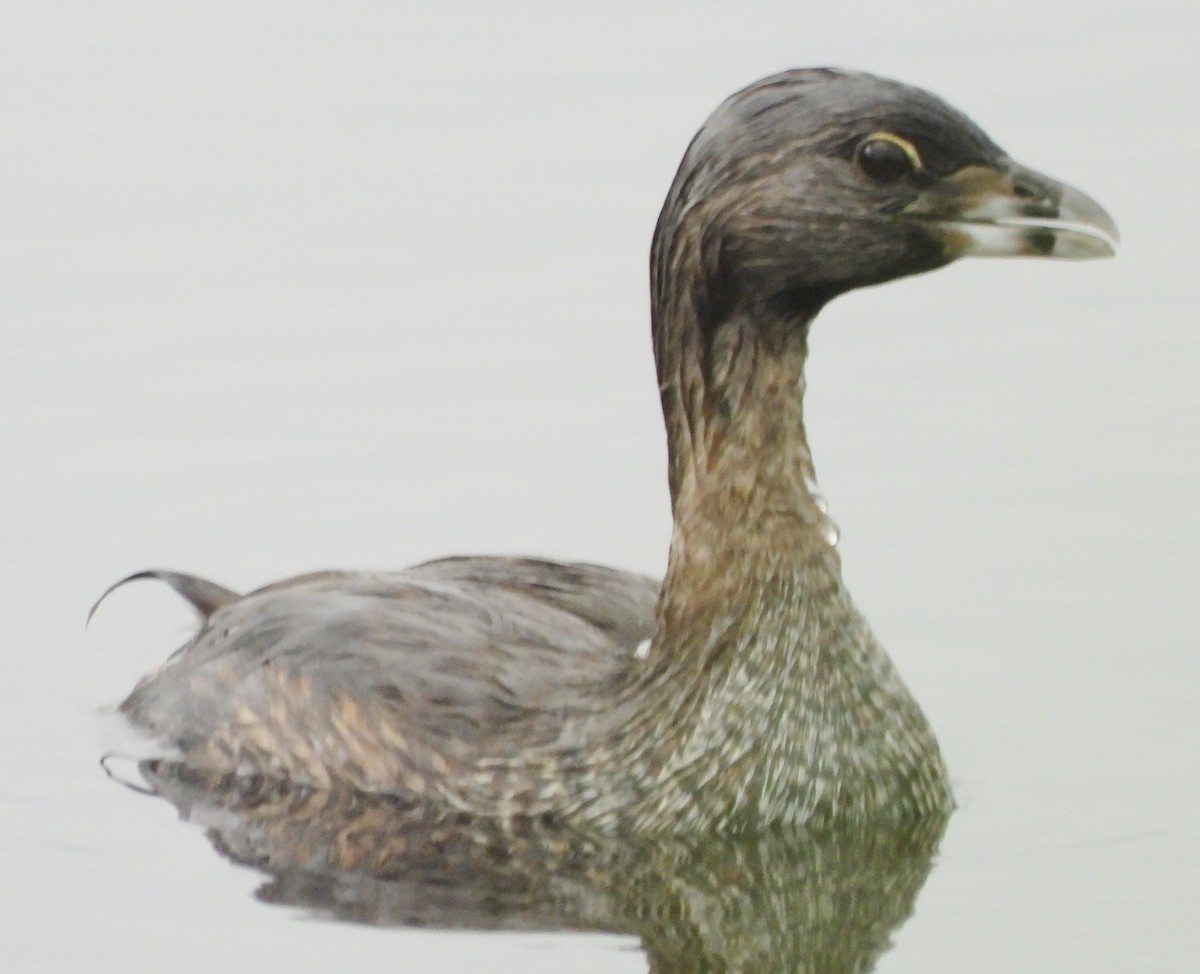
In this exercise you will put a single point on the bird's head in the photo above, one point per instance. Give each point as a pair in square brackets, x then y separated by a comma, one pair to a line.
[813, 182]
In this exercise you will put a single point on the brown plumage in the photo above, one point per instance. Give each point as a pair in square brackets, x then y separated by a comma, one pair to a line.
[519, 688]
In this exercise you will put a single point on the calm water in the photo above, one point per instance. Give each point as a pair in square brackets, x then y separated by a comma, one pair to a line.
[285, 288]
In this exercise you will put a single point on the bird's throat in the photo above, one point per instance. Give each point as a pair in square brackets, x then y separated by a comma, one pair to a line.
[734, 411]
[746, 514]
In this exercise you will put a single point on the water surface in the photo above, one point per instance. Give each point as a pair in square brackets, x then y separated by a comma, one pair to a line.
[287, 287]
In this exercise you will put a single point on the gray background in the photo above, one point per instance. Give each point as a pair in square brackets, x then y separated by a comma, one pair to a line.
[297, 285]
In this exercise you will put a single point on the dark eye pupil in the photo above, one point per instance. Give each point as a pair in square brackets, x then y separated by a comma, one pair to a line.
[883, 160]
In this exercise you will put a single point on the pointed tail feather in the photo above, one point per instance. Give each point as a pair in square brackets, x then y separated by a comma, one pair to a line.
[202, 595]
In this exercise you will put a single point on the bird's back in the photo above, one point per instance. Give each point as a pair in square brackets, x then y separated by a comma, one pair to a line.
[383, 680]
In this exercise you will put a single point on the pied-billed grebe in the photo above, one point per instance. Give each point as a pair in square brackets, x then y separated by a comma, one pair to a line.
[748, 690]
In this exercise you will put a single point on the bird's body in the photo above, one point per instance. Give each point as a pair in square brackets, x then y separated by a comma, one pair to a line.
[747, 690]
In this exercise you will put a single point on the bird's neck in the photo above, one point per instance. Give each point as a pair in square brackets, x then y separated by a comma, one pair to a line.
[760, 663]
[734, 411]
[746, 519]
[750, 536]
[742, 477]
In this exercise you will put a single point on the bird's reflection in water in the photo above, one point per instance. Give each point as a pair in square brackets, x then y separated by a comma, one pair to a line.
[825, 901]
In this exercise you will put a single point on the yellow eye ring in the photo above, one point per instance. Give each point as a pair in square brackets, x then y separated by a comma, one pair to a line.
[886, 157]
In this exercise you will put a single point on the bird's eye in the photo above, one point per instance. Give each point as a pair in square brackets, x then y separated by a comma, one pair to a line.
[886, 158]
